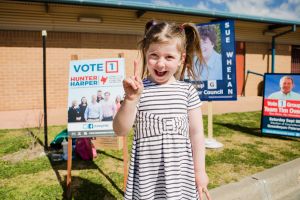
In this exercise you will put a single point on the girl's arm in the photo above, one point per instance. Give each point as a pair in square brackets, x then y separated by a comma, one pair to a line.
[125, 117]
[198, 146]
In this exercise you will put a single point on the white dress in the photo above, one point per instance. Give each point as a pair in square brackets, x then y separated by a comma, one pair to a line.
[161, 165]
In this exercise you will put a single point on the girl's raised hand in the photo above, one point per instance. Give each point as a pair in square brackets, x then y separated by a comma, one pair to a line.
[133, 86]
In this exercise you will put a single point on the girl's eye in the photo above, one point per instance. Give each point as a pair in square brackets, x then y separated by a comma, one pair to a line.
[170, 57]
[153, 56]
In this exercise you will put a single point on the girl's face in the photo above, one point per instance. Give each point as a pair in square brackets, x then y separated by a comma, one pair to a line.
[163, 61]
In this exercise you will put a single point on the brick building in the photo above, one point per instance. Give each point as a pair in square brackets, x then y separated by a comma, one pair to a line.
[96, 29]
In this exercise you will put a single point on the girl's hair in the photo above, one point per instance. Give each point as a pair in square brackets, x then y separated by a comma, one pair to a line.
[188, 42]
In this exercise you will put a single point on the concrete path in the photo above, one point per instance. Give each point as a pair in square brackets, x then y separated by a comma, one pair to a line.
[292, 196]
[278, 183]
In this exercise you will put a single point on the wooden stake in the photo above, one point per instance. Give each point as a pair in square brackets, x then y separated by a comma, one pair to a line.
[125, 148]
[69, 167]
[69, 161]
[125, 160]
[210, 120]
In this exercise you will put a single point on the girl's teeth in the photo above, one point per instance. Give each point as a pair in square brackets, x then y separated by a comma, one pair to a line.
[160, 73]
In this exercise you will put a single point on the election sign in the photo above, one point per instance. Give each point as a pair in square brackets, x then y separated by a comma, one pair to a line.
[95, 94]
[281, 105]
[215, 76]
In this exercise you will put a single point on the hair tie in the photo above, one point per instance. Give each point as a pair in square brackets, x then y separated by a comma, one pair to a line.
[149, 26]
[153, 23]
[181, 27]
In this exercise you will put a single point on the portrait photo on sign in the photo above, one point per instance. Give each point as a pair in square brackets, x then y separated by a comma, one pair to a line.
[93, 105]
[215, 67]
[210, 44]
[283, 87]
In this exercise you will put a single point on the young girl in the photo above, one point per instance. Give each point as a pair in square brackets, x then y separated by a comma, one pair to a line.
[168, 154]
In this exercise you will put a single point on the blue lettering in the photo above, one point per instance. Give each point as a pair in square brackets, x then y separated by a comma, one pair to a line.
[77, 68]
[85, 68]
[93, 66]
[89, 67]
[100, 67]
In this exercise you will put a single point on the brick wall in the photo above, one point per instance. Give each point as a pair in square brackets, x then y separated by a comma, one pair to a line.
[258, 58]
[21, 64]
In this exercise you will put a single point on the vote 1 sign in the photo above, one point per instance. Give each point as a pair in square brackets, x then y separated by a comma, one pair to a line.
[95, 93]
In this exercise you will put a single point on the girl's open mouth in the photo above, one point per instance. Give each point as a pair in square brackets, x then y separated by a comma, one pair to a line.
[160, 73]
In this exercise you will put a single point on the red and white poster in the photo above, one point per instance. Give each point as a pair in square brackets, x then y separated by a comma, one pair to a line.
[281, 105]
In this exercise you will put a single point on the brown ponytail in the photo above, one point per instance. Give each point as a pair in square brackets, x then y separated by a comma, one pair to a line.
[192, 49]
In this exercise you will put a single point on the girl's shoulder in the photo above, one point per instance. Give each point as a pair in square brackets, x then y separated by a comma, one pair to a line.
[177, 83]
[185, 85]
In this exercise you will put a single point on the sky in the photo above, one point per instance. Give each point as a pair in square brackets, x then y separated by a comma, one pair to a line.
[278, 9]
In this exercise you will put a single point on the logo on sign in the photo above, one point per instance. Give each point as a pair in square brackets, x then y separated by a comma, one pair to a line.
[212, 84]
[88, 126]
[103, 79]
[112, 67]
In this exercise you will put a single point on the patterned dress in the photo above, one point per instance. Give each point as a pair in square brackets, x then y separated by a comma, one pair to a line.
[161, 165]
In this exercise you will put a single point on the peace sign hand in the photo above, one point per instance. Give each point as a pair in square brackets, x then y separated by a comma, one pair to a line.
[133, 86]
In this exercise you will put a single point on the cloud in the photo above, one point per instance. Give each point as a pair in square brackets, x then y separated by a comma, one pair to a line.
[166, 3]
[286, 10]
[265, 8]
[202, 6]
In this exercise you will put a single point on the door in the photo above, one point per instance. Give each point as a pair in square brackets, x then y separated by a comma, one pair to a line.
[240, 66]
[295, 59]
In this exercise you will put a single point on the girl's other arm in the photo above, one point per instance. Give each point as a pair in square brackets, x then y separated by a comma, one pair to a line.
[198, 146]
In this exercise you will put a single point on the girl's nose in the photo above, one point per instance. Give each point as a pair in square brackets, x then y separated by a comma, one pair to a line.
[160, 63]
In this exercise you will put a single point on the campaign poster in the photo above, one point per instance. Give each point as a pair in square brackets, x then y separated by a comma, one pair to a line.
[215, 76]
[281, 105]
[95, 95]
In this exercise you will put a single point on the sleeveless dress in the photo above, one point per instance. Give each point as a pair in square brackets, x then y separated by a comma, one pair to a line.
[161, 165]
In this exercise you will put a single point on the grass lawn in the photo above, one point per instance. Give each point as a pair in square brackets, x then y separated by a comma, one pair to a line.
[24, 176]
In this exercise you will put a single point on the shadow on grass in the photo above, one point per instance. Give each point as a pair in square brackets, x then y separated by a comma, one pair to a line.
[90, 190]
[83, 189]
[86, 189]
[109, 155]
[253, 131]
[243, 129]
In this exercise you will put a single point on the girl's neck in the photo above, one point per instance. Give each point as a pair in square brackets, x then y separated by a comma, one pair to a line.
[170, 81]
